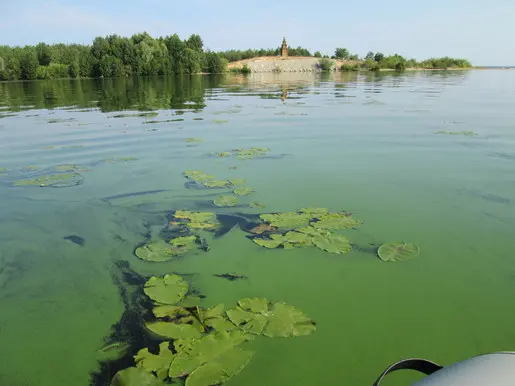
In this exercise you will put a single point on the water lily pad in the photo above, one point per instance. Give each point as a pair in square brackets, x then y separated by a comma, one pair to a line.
[198, 175]
[235, 181]
[158, 364]
[336, 221]
[216, 184]
[59, 180]
[223, 154]
[197, 220]
[215, 318]
[194, 140]
[314, 212]
[256, 204]
[157, 252]
[133, 376]
[287, 220]
[198, 352]
[259, 316]
[221, 369]
[297, 239]
[226, 201]
[186, 242]
[243, 191]
[397, 251]
[250, 153]
[274, 241]
[220, 121]
[331, 242]
[169, 289]
[172, 330]
[263, 228]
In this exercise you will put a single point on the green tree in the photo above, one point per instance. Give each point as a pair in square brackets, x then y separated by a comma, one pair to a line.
[378, 57]
[369, 55]
[341, 53]
[29, 64]
[44, 54]
[195, 43]
[317, 54]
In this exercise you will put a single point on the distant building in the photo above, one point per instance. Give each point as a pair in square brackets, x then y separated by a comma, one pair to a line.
[284, 49]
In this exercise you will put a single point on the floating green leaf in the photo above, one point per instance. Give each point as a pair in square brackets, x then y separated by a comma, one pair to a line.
[243, 191]
[157, 251]
[223, 154]
[169, 289]
[297, 239]
[194, 139]
[186, 242]
[3, 170]
[171, 330]
[197, 220]
[274, 241]
[336, 221]
[220, 121]
[215, 318]
[198, 352]
[198, 175]
[226, 201]
[397, 251]
[52, 180]
[314, 212]
[158, 364]
[331, 242]
[287, 220]
[237, 181]
[259, 316]
[216, 184]
[220, 369]
[133, 376]
[257, 204]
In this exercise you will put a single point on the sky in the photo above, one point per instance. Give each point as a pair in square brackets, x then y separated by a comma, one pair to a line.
[480, 31]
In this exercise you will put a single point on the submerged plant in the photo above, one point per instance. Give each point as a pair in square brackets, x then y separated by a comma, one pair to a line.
[397, 251]
[466, 133]
[52, 180]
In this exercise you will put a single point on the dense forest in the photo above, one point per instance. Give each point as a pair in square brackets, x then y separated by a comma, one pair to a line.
[141, 54]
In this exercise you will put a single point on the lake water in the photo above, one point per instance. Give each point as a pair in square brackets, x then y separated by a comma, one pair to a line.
[360, 143]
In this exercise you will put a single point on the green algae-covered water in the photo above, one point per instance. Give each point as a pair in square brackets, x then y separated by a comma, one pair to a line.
[427, 158]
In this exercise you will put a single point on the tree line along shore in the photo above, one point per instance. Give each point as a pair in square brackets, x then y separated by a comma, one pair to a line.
[141, 54]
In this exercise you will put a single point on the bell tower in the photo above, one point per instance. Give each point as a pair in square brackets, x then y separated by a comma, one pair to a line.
[284, 48]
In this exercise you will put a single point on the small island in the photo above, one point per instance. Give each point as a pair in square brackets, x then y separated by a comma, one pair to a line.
[143, 55]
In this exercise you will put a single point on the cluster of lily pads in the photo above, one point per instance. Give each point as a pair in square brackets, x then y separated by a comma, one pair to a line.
[186, 223]
[206, 346]
[243, 154]
[306, 227]
[209, 181]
